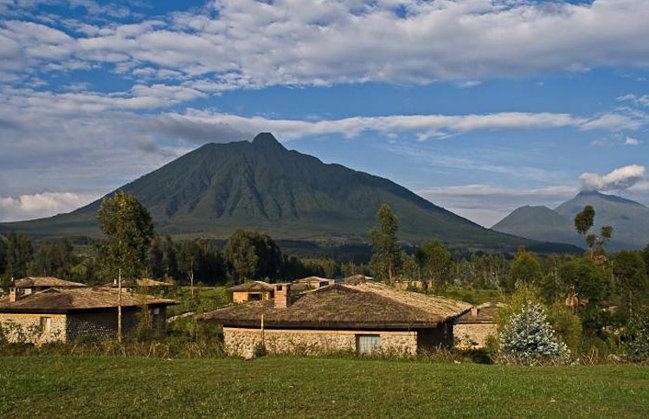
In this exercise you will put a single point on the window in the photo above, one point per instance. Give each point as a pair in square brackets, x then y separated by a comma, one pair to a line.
[156, 311]
[366, 344]
[46, 324]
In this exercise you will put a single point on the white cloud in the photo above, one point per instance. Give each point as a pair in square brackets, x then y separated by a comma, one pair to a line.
[637, 100]
[619, 179]
[202, 125]
[40, 205]
[632, 141]
[247, 43]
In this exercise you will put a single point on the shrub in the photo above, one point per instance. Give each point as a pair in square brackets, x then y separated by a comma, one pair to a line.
[529, 339]
[635, 339]
[566, 324]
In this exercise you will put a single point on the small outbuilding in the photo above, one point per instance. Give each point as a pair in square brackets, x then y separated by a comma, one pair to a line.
[474, 328]
[314, 282]
[28, 285]
[361, 317]
[251, 291]
[64, 314]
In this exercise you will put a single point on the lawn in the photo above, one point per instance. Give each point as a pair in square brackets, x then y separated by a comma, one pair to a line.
[297, 387]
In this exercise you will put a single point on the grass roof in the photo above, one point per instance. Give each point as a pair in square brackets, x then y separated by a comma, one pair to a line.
[62, 300]
[46, 281]
[252, 286]
[368, 305]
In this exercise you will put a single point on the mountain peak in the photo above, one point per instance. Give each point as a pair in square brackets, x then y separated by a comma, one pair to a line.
[266, 139]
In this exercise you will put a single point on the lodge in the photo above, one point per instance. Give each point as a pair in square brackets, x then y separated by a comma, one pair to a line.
[359, 316]
[64, 314]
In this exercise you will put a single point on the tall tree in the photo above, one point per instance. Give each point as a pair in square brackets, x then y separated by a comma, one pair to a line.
[253, 255]
[20, 252]
[526, 267]
[584, 220]
[3, 254]
[169, 258]
[156, 258]
[128, 228]
[54, 258]
[189, 256]
[583, 223]
[386, 256]
[630, 274]
[436, 264]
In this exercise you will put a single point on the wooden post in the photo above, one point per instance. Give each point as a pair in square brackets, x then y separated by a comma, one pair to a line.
[263, 340]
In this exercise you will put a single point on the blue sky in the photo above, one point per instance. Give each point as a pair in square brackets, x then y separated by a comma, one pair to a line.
[478, 105]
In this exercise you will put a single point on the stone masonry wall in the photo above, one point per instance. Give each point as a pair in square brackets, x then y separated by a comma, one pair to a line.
[474, 335]
[27, 327]
[243, 342]
[100, 323]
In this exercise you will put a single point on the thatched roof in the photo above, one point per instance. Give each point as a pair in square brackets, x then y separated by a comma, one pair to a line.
[252, 286]
[47, 281]
[366, 305]
[143, 282]
[63, 300]
[311, 279]
[356, 278]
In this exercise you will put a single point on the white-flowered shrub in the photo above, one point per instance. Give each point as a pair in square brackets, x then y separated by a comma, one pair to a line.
[529, 339]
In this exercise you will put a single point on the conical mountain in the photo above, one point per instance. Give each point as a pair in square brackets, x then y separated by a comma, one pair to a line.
[538, 223]
[629, 219]
[261, 185]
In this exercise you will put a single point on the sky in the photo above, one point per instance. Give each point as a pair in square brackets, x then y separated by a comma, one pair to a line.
[480, 106]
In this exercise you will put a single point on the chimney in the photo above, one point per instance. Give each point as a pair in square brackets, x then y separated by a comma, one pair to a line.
[474, 311]
[14, 294]
[282, 295]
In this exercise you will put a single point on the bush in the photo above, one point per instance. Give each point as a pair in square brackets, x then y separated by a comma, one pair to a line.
[635, 339]
[529, 339]
[566, 324]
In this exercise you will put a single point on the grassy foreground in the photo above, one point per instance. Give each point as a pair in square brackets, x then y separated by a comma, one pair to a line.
[297, 387]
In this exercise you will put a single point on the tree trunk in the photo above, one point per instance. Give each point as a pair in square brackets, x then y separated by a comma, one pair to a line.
[191, 282]
[119, 306]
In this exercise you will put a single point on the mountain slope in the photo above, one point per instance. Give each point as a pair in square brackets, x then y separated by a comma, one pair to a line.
[539, 223]
[630, 221]
[261, 185]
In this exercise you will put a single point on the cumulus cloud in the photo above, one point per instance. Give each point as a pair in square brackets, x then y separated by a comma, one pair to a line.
[619, 179]
[632, 141]
[40, 205]
[248, 43]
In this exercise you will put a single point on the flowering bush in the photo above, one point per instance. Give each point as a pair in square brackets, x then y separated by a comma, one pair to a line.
[528, 338]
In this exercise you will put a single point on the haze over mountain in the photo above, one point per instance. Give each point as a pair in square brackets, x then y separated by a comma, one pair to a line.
[630, 221]
[261, 185]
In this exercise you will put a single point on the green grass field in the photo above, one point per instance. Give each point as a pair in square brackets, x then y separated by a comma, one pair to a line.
[66, 387]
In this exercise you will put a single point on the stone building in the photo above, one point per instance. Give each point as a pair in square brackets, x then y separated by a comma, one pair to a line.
[251, 291]
[360, 317]
[64, 314]
[473, 329]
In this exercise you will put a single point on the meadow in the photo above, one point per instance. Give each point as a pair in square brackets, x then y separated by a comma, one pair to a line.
[72, 386]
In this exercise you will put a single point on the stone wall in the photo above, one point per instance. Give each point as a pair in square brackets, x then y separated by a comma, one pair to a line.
[100, 323]
[28, 327]
[243, 342]
[473, 335]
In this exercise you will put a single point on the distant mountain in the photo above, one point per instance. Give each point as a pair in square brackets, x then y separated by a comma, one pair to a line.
[630, 221]
[261, 185]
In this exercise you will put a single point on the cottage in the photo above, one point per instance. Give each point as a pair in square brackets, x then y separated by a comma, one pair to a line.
[314, 282]
[26, 286]
[150, 286]
[64, 314]
[251, 291]
[362, 316]
[473, 329]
